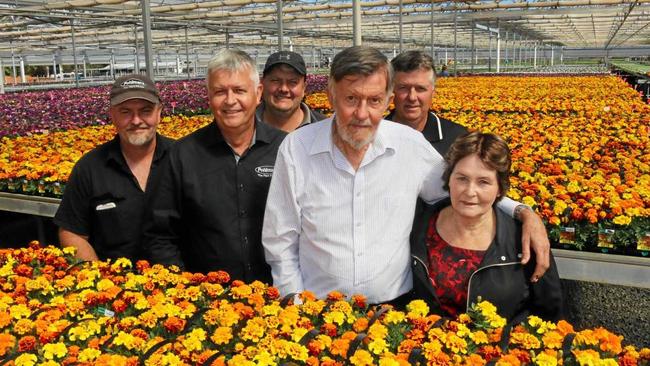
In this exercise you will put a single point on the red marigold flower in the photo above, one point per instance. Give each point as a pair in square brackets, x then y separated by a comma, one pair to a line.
[335, 296]
[26, 343]
[174, 324]
[142, 265]
[272, 293]
[24, 270]
[218, 277]
[119, 306]
[359, 301]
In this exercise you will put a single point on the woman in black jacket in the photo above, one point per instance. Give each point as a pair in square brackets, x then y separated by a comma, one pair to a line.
[464, 247]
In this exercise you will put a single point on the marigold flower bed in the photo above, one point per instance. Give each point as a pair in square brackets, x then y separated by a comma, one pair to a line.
[55, 310]
[581, 150]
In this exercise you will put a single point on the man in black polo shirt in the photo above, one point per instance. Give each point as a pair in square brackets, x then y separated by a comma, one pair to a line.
[102, 207]
[207, 213]
[284, 81]
[414, 84]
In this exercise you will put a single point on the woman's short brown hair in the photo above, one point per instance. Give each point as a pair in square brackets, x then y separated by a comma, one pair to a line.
[492, 151]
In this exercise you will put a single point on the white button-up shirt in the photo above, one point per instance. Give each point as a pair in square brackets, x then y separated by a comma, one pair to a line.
[328, 227]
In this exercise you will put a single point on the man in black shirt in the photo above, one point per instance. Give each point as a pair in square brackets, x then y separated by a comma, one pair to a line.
[207, 213]
[414, 84]
[284, 81]
[102, 207]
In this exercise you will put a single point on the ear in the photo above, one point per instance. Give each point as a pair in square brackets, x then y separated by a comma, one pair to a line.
[259, 89]
[330, 94]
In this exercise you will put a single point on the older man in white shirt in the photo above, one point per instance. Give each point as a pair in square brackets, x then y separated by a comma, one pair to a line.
[343, 193]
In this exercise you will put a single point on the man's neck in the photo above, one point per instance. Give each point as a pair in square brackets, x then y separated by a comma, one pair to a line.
[418, 124]
[239, 139]
[286, 121]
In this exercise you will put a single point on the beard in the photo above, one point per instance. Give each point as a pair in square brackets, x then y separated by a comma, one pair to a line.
[355, 142]
[140, 139]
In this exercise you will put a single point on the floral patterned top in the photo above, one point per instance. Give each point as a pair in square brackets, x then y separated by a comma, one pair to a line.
[449, 270]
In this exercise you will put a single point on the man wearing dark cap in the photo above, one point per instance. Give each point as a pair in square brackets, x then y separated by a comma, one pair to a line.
[284, 83]
[103, 203]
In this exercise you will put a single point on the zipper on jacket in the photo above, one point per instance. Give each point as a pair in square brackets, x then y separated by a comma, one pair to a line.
[469, 284]
[426, 269]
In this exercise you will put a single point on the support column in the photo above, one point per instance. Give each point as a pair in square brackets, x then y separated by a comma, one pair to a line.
[112, 64]
[74, 55]
[2, 78]
[136, 67]
[489, 49]
[280, 26]
[401, 41]
[433, 52]
[187, 52]
[472, 60]
[54, 65]
[535, 57]
[498, 48]
[552, 55]
[356, 22]
[146, 31]
[13, 65]
[23, 79]
[455, 41]
[505, 50]
[178, 64]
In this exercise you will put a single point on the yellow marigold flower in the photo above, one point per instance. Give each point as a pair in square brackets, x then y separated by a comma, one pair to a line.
[559, 207]
[222, 335]
[362, 358]
[552, 340]
[573, 186]
[432, 349]
[239, 360]
[544, 359]
[479, 337]
[417, 308]
[377, 331]
[334, 317]
[19, 311]
[378, 346]
[297, 351]
[587, 357]
[529, 201]
[254, 329]
[388, 361]
[394, 317]
[89, 354]
[272, 309]
[241, 292]
[527, 341]
[26, 359]
[104, 284]
[298, 333]
[193, 339]
[54, 350]
[23, 326]
[264, 359]
[622, 220]
[456, 344]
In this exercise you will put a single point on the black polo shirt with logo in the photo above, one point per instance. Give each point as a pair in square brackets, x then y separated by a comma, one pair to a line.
[440, 132]
[103, 200]
[207, 213]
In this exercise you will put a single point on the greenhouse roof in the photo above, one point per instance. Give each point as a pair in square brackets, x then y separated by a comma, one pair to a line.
[46, 27]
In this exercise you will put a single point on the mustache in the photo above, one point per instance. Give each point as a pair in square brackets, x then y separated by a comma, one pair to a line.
[364, 123]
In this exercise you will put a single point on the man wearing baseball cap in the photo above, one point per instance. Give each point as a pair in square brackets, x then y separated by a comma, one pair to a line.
[284, 83]
[103, 202]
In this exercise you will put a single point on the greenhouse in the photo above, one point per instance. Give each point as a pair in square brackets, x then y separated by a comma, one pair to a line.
[169, 195]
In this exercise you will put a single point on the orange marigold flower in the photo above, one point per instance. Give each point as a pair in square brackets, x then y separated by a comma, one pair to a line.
[174, 324]
[26, 343]
[335, 296]
[360, 325]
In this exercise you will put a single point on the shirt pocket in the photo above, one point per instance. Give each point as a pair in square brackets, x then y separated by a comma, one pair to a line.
[109, 213]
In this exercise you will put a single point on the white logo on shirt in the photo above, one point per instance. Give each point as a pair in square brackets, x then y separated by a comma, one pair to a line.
[264, 171]
[105, 206]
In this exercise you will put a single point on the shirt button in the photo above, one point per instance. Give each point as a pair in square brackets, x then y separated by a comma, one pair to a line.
[249, 266]
[242, 213]
[241, 186]
[245, 239]
[503, 257]
[358, 194]
[359, 254]
[358, 223]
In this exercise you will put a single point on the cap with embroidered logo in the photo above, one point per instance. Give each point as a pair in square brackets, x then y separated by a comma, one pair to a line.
[134, 86]
[288, 58]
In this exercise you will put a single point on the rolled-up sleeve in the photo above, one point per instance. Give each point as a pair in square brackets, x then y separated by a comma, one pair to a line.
[282, 225]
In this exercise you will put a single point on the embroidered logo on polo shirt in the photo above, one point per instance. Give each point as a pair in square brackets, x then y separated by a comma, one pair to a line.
[105, 206]
[264, 171]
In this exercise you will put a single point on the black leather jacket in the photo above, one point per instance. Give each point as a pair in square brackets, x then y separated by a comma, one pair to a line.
[500, 278]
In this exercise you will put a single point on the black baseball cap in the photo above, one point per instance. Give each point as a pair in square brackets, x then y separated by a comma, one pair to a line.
[288, 58]
[134, 86]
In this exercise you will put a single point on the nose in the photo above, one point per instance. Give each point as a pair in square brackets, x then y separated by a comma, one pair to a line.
[284, 87]
[361, 111]
[230, 97]
[412, 96]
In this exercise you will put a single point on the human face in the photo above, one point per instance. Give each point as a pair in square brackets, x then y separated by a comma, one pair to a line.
[412, 97]
[233, 98]
[136, 121]
[284, 89]
[473, 187]
[359, 103]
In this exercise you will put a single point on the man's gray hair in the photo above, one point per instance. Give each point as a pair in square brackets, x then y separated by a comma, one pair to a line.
[362, 61]
[234, 60]
[413, 60]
